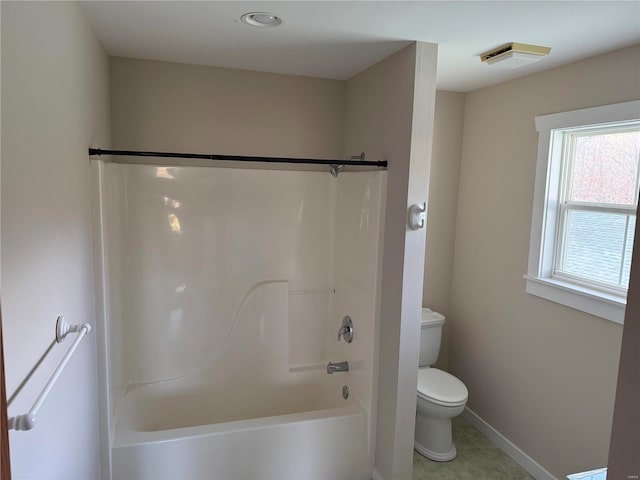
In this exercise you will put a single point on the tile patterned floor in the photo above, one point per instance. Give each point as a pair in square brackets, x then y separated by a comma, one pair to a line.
[478, 459]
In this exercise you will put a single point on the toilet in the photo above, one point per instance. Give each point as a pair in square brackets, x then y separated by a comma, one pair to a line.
[441, 396]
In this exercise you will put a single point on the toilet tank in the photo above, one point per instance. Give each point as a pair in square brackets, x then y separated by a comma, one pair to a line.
[430, 336]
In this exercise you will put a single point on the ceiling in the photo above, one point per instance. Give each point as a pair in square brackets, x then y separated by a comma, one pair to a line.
[337, 39]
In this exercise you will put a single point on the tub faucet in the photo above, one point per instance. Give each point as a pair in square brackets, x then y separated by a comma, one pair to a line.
[337, 367]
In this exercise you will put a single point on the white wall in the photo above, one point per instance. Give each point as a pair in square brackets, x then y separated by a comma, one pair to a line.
[389, 114]
[54, 105]
[192, 245]
[540, 373]
[199, 241]
[177, 107]
[358, 221]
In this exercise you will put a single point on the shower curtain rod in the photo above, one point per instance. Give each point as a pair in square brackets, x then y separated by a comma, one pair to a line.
[239, 158]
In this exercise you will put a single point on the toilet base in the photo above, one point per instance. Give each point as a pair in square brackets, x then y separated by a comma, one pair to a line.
[433, 437]
[436, 456]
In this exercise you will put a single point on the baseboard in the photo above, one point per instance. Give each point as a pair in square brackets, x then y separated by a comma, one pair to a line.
[504, 444]
[375, 475]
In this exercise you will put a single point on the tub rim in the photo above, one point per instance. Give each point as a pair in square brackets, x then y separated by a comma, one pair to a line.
[125, 437]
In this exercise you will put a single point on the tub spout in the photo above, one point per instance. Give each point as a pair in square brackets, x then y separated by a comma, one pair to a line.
[337, 367]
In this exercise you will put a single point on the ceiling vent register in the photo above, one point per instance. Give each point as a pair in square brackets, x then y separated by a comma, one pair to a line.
[515, 55]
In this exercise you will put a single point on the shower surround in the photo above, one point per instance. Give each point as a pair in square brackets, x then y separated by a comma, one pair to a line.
[223, 290]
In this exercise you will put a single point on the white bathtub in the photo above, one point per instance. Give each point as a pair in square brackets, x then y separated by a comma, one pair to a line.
[245, 414]
[268, 435]
[223, 290]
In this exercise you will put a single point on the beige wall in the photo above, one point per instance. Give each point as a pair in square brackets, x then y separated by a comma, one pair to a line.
[164, 106]
[178, 107]
[175, 107]
[441, 209]
[397, 128]
[542, 374]
[54, 105]
[624, 461]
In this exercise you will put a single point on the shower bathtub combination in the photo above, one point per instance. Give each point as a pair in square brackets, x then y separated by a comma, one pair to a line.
[220, 293]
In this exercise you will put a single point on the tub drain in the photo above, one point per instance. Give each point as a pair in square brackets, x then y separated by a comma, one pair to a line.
[345, 392]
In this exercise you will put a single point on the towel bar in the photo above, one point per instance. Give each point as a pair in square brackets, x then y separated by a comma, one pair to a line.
[28, 420]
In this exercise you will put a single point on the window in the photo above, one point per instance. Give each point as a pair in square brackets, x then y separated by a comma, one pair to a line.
[599, 194]
[586, 193]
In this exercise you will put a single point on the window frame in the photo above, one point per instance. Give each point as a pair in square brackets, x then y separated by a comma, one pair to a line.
[541, 279]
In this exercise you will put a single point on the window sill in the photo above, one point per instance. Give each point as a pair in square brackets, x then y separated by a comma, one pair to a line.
[610, 307]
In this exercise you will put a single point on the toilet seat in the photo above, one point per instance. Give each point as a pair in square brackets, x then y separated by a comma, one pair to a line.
[441, 388]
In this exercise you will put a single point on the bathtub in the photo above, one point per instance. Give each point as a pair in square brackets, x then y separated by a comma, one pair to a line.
[245, 414]
[222, 292]
[296, 432]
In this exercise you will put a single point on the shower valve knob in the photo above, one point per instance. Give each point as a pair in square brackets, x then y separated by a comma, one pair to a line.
[346, 330]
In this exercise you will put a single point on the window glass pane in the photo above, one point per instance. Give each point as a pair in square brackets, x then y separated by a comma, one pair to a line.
[594, 245]
[605, 168]
[626, 262]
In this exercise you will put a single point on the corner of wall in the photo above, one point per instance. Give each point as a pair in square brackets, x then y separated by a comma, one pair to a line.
[442, 209]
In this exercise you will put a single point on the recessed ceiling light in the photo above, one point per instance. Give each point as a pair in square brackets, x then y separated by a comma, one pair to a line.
[261, 19]
[515, 55]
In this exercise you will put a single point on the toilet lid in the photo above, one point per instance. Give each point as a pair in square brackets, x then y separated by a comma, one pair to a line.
[440, 387]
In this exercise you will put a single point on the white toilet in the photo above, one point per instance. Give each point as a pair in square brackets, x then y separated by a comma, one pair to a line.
[441, 396]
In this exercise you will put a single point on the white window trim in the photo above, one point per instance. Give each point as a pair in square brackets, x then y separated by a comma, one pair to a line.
[539, 279]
